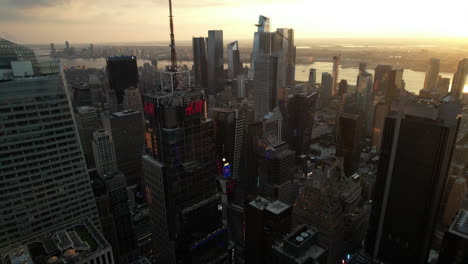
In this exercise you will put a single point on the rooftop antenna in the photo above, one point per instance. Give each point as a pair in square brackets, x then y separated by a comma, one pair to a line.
[173, 51]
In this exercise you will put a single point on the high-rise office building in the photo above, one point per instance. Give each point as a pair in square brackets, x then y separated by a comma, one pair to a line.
[180, 179]
[68, 51]
[122, 73]
[265, 83]
[104, 152]
[43, 175]
[266, 222]
[319, 205]
[348, 145]
[459, 78]
[335, 74]
[432, 73]
[126, 131]
[215, 63]
[238, 86]
[312, 78]
[364, 91]
[415, 156]
[263, 26]
[132, 100]
[282, 46]
[443, 85]
[234, 62]
[326, 89]
[395, 84]
[454, 247]
[200, 63]
[53, 51]
[301, 108]
[276, 171]
[126, 246]
[380, 79]
[87, 120]
[230, 134]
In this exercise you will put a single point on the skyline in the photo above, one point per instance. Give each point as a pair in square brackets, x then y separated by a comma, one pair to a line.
[46, 21]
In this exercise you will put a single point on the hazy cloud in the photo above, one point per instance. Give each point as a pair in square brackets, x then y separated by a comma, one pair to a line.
[33, 3]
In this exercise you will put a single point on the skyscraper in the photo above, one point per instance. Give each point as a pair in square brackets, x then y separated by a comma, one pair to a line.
[126, 131]
[87, 120]
[414, 161]
[432, 73]
[348, 145]
[265, 85]
[132, 100]
[234, 62]
[276, 171]
[335, 73]
[42, 171]
[53, 51]
[312, 78]
[126, 246]
[266, 222]
[459, 78]
[215, 62]
[380, 79]
[443, 85]
[104, 152]
[122, 73]
[200, 63]
[230, 133]
[326, 89]
[67, 49]
[301, 120]
[180, 179]
[282, 46]
[263, 26]
[319, 205]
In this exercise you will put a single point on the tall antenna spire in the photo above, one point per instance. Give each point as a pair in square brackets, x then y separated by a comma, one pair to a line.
[173, 51]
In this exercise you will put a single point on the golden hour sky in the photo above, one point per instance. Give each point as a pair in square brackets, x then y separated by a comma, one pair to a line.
[45, 21]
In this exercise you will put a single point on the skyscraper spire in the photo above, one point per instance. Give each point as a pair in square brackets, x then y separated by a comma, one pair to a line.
[173, 51]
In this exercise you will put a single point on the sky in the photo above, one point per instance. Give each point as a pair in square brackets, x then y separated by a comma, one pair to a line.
[100, 21]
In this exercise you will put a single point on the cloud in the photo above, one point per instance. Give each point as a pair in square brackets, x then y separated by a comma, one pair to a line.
[25, 4]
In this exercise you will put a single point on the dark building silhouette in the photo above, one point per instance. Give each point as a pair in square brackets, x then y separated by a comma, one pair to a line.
[326, 89]
[122, 73]
[348, 145]
[265, 86]
[266, 222]
[276, 171]
[380, 79]
[118, 197]
[200, 63]
[126, 131]
[111, 197]
[459, 78]
[215, 61]
[415, 156]
[180, 179]
[455, 244]
[234, 62]
[301, 109]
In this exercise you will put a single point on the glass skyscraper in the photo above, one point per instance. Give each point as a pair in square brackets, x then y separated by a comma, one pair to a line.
[43, 178]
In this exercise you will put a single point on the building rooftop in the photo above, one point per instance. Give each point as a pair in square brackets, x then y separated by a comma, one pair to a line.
[459, 225]
[125, 113]
[277, 207]
[69, 243]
